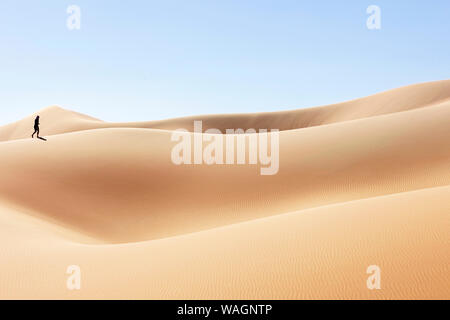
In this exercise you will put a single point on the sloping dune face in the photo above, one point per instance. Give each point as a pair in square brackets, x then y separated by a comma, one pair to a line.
[360, 183]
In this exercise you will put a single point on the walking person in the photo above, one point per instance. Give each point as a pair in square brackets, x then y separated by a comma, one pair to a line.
[36, 129]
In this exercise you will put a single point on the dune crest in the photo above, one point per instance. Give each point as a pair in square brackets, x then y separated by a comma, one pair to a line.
[57, 120]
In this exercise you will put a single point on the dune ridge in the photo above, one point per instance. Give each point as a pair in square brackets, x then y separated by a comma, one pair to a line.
[58, 120]
[361, 182]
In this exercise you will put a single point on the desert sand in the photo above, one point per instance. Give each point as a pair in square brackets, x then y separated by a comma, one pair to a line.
[360, 183]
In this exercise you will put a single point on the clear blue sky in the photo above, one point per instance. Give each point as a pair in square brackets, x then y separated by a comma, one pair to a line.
[144, 60]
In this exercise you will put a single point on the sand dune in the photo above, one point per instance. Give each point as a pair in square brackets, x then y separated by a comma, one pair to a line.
[56, 120]
[359, 183]
[319, 253]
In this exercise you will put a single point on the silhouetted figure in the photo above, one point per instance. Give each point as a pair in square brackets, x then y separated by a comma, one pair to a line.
[36, 129]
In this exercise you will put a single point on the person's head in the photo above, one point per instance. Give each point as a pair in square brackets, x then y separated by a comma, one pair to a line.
[37, 117]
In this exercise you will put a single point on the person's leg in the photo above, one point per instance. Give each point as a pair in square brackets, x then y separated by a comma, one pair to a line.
[37, 133]
[32, 136]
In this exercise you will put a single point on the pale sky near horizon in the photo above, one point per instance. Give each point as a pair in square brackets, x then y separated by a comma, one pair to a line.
[144, 60]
